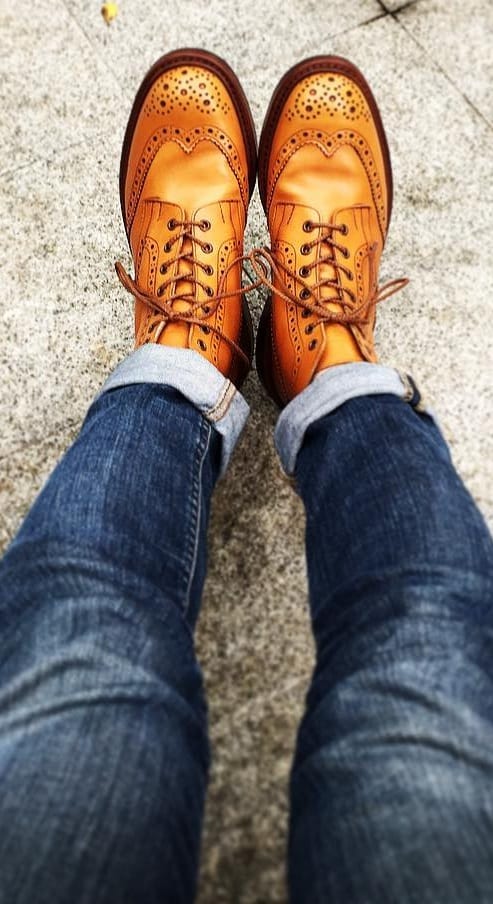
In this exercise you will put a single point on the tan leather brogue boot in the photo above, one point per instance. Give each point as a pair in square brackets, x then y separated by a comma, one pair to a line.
[326, 187]
[187, 172]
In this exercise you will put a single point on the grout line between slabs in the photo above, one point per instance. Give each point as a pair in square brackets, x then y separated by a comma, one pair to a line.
[307, 49]
[440, 68]
[50, 158]
[368, 21]
[91, 43]
[22, 166]
[393, 12]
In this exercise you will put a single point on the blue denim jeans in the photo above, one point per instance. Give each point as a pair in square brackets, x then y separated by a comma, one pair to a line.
[103, 727]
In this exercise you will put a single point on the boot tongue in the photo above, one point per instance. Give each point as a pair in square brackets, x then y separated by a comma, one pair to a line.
[177, 334]
[356, 219]
[184, 268]
[341, 345]
[326, 271]
[334, 199]
[155, 232]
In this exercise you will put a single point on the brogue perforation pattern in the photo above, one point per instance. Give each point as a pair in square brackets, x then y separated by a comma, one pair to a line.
[286, 252]
[329, 143]
[153, 249]
[358, 266]
[364, 341]
[184, 89]
[328, 95]
[187, 140]
[229, 250]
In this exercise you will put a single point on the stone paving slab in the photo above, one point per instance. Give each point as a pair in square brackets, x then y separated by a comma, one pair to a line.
[55, 90]
[23, 473]
[246, 820]
[459, 37]
[436, 329]
[252, 36]
[66, 322]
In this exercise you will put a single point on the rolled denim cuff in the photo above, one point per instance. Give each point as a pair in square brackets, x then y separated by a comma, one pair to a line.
[197, 379]
[330, 389]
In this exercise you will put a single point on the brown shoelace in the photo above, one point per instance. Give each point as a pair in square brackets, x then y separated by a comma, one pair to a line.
[264, 260]
[265, 264]
[197, 311]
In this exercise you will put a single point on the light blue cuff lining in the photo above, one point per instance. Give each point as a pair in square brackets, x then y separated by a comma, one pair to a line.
[330, 389]
[197, 379]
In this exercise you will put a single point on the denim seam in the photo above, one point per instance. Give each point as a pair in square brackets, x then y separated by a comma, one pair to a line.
[190, 510]
[330, 390]
[196, 508]
[196, 379]
[412, 394]
[221, 407]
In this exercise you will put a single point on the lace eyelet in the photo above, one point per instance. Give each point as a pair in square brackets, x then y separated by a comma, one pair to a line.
[308, 226]
[345, 252]
[305, 249]
[206, 309]
[163, 268]
[205, 225]
[343, 229]
[350, 276]
[209, 270]
[201, 344]
[205, 329]
[167, 247]
[309, 329]
[305, 313]
[312, 344]
[172, 224]
[207, 248]
[209, 291]
[304, 271]
[160, 291]
[305, 293]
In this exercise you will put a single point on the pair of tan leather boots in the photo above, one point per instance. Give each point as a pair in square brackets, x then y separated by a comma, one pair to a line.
[188, 170]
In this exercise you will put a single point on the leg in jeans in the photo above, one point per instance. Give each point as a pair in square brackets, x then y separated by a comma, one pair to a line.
[103, 742]
[103, 735]
[391, 785]
[391, 799]
[103, 750]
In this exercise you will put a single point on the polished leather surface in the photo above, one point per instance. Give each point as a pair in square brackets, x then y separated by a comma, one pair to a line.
[186, 192]
[327, 198]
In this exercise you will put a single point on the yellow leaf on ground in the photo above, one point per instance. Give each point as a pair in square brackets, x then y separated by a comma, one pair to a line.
[109, 11]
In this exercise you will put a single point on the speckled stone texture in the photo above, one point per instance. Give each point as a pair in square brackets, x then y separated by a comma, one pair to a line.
[67, 82]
